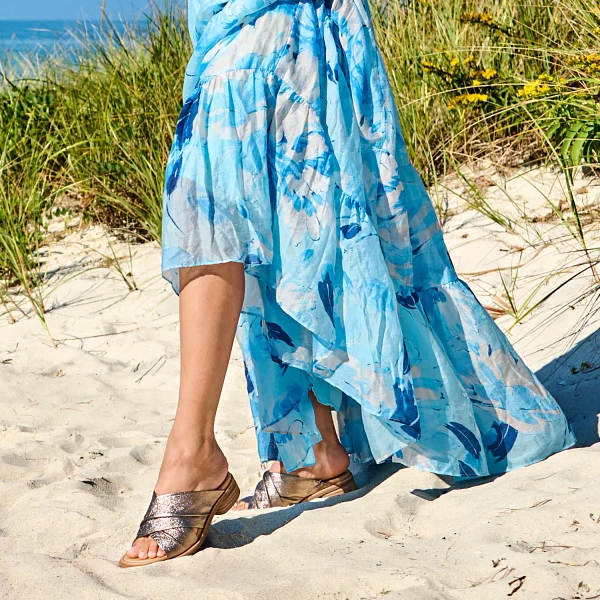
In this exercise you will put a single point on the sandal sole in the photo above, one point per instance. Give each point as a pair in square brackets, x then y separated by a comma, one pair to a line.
[342, 484]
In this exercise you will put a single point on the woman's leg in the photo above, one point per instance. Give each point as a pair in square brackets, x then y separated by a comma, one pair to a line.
[331, 457]
[209, 307]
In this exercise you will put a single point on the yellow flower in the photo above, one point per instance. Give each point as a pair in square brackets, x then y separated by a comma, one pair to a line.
[476, 98]
[538, 87]
[482, 19]
[467, 99]
[541, 86]
[454, 62]
[533, 89]
[489, 73]
[589, 63]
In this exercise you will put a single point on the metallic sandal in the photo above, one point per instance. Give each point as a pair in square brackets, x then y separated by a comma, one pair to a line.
[283, 489]
[179, 522]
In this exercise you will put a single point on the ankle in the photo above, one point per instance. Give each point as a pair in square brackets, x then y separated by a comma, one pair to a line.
[191, 468]
[331, 456]
[194, 454]
[329, 449]
[190, 445]
[195, 457]
[331, 460]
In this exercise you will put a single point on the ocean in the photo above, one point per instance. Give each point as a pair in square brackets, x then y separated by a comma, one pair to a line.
[36, 40]
[35, 37]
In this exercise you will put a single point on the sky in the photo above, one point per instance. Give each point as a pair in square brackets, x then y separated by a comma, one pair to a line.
[67, 9]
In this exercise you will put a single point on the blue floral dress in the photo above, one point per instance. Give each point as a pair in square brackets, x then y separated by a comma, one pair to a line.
[289, 157]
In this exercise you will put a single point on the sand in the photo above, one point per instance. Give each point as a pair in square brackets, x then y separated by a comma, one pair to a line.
[83, 426]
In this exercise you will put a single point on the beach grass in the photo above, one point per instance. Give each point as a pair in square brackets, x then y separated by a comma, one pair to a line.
[90, 134]
[511, 81]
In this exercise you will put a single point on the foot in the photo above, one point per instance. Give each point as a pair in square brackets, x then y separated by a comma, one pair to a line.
[183, 469]
[331, 460]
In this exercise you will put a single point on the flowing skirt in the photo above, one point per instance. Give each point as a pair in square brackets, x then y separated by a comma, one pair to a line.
[288, 157]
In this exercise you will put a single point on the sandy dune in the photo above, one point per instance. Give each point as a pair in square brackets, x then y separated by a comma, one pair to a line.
[83, 427]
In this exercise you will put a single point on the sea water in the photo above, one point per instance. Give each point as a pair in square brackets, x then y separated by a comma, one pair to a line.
[24, 44]
[35, 37]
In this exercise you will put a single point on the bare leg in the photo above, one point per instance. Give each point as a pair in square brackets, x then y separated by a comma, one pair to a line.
[209, 306]
[331, 457]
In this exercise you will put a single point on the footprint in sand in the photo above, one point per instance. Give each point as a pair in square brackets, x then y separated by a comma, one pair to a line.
[397, 520]
[15, 460]
[72, 444]
[147, 454]
[109, 492]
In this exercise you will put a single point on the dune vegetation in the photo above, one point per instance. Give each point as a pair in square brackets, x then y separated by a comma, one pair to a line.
[516, 81]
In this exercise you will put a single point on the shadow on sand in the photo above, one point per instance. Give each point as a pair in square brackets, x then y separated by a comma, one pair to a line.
[574, 381]
[234, 533]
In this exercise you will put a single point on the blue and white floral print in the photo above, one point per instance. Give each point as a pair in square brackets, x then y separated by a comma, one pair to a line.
[289, 157]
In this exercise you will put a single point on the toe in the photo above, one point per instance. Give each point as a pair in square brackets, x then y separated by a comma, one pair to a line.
[243, 504]
[152, 548]
[134, 550]
[143, 548]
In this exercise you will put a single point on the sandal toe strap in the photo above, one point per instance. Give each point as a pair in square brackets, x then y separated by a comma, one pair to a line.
[265, 493]
[174, 541]
[282, 489]
[174, 534]
[174, 521]
[150, 526]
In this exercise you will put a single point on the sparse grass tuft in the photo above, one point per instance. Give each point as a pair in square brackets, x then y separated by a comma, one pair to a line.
[509, 80]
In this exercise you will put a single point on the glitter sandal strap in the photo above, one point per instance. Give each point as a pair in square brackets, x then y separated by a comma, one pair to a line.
[282, 489]
[179, 522]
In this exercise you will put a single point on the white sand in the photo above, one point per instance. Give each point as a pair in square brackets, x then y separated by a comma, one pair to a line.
[83, 428]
